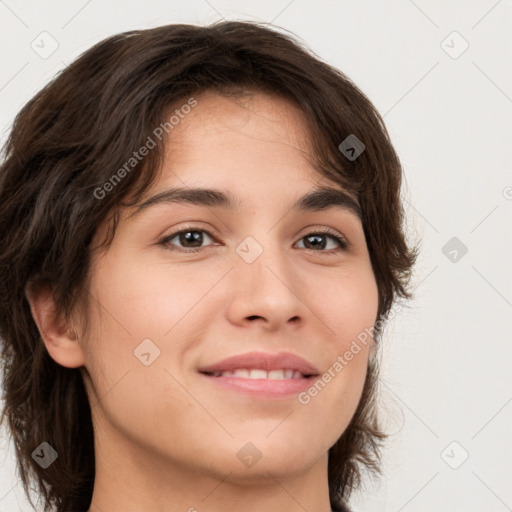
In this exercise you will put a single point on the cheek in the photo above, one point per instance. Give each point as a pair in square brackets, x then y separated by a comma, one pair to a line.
[141, 309]
[145, 404]
[133, 310]
[141, 299]
[347, 305]
[346, 301]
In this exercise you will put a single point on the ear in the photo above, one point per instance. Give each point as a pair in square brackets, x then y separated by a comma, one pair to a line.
[59, 338]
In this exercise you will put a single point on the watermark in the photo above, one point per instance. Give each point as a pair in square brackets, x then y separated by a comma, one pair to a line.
[454, 249]
[45, 455]
[146, 352]
[174, 120]
[351, 147]
[249, 249]
[137, 156]
[454, 45]
[249, 454]
[455, 455]
[343, 360]
[45, 45]
[338, 365]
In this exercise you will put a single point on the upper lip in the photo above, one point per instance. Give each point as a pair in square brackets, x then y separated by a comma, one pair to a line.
[263, 361]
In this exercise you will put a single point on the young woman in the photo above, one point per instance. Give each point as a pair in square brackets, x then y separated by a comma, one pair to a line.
[202, 236]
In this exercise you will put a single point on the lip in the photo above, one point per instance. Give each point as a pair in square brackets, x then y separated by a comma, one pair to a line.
[263, 361]
[266, 389]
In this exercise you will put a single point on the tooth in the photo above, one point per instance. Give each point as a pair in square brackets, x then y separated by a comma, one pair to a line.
[248, 373]
[276, 374]
[257, 374]
[241, 373]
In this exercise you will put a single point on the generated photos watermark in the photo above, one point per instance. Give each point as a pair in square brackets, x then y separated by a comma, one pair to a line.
[137, 156]
[344, 359]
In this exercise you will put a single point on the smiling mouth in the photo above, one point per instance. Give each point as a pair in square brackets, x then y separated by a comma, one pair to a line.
[259, 374]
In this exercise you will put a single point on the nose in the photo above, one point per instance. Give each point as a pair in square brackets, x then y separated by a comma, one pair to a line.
[265, 289]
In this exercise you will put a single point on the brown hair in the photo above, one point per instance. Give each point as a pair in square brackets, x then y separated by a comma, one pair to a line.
[68, 141]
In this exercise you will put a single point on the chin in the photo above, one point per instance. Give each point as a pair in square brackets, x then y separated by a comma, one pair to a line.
[278, 454]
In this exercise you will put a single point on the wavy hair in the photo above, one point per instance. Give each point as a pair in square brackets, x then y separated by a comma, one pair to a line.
[68, 141]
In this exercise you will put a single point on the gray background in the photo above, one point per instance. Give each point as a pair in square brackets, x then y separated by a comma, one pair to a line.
[446, 387]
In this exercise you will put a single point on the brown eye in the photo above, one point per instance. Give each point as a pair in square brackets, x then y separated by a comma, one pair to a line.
[190, 239]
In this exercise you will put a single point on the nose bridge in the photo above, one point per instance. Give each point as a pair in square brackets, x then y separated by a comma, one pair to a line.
[258, 252]
[264, 280]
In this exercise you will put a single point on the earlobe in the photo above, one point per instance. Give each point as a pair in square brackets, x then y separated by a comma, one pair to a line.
[59, 338]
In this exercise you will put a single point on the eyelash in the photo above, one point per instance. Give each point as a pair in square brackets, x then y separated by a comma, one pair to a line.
[343, 244]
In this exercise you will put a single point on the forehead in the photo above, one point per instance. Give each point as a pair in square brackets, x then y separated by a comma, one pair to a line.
[249, 139]
[251, 123]
[255, 149]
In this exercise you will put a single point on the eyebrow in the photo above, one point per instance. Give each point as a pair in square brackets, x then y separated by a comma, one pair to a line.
[319, 199]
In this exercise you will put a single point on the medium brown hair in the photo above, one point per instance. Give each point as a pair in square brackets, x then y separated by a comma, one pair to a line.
[70, 139]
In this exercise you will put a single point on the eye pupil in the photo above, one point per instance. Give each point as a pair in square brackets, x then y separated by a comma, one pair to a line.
[197, 236]
[191, 240]
[316, 244]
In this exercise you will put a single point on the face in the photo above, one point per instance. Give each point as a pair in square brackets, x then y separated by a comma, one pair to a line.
[186, 285]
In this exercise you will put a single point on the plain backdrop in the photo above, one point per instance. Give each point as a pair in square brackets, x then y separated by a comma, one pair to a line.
[440, 74]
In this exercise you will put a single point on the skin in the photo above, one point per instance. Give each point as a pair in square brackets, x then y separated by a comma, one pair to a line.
[166, 440]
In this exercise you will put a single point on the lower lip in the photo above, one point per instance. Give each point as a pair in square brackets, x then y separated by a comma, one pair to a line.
[267, 389]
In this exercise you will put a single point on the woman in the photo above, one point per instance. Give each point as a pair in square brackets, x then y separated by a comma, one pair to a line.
[202, 236]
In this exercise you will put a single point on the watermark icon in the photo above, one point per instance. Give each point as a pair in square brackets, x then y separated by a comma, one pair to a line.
[249, 249]
[45, 45]
[45, 455]
[455, 455]
[507, 193]
[454, 249]
[147, 352]
[454, 45]
[137, 156]
[249, 454]
[351, 147]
